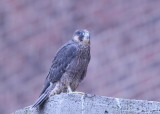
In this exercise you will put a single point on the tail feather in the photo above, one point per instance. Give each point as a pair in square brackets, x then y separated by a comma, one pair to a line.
[44, 96]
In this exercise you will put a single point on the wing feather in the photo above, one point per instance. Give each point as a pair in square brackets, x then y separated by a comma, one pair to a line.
[62, 59]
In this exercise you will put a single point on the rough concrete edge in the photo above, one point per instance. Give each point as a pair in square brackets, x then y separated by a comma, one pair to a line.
[136, 106]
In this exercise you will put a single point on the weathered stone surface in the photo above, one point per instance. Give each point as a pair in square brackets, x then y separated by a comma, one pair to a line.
[91, 104]
[125, 47]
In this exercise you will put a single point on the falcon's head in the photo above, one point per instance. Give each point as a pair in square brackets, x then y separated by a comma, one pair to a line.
[82, 36]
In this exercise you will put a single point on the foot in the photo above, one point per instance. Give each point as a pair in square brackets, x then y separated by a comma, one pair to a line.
[78, 92]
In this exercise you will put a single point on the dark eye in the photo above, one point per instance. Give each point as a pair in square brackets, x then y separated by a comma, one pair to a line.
[78, 33]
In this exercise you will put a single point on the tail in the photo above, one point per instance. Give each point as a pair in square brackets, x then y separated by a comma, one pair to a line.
[43, 97]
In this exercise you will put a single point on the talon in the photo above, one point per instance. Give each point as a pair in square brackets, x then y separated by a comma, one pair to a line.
[78, 92]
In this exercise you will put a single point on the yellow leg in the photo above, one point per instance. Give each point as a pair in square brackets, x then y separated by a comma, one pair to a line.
[69, 89]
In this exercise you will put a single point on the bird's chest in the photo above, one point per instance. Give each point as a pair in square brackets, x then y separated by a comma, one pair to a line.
[81, 59]
[79, 63]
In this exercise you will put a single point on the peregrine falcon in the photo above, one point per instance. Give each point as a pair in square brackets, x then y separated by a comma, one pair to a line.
[68, 68]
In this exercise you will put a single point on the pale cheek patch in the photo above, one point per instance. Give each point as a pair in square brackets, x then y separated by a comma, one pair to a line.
[76, 38]
[86, 40]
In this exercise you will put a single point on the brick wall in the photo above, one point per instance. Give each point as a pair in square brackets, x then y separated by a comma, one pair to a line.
[125, 47]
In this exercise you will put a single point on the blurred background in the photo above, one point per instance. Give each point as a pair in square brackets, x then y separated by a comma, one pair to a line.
[125, 47]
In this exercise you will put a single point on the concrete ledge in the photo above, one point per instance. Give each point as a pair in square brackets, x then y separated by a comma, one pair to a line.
[91, 104]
